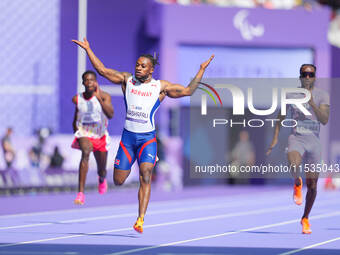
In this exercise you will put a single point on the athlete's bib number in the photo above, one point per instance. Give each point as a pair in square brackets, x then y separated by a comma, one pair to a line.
[308, 127]
[91, 117]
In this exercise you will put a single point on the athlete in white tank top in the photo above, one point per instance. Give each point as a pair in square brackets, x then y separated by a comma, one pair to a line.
[142, 96]
[93, 109]
[91, 120]
[142, 102]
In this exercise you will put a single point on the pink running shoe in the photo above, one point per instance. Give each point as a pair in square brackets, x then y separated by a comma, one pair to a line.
[80, 199]
[102, 187]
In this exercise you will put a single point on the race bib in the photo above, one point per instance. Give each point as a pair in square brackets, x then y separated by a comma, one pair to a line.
[91, 117]
[308, 127]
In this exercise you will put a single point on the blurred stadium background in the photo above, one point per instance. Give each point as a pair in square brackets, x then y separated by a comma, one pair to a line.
[40, 72]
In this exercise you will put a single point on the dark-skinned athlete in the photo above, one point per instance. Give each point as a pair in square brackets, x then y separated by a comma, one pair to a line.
[142, 95]
[93, 109]
[304, 142]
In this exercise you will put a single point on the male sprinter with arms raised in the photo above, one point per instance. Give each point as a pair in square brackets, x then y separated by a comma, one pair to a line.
[304, 140]
[93, 109]
[142, 96]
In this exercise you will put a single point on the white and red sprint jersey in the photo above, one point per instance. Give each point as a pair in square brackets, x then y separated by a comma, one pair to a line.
[91, 120]
[142, 102]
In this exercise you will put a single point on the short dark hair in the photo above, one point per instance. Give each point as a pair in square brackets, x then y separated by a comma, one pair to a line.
[153, 59]
[302, 66]
[89, 72]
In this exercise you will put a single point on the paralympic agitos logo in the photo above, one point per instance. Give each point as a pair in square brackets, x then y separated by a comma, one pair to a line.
[238, 103]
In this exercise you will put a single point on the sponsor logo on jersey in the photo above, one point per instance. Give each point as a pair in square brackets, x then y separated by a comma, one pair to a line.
[117, 162]
[134, 107]
[141, 93]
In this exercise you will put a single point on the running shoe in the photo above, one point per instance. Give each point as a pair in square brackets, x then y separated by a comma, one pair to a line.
[80, 199]
[305, 226]
[298, 193]
[139, 225]
[102, 187]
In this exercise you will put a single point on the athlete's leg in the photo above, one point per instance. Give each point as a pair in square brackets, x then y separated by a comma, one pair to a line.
[86, 148]
[295, 159]
[119, 176]
[145, 175]
[313, 157]
[311, 181]
[101, 159]
[146, 154]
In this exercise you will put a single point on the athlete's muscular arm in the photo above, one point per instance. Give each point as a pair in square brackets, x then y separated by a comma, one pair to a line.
[110, 74]
[276, 133]
[322, 112]
[177, 90]
[74, 123]
[105, 102]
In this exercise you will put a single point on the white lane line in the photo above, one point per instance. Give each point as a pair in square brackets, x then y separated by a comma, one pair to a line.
[117, 216]
[221, 216]
[254, 212]
[326, 215]
[223, 198]
[79, 209]
[219, 198]
[310, 246]
[156, 212]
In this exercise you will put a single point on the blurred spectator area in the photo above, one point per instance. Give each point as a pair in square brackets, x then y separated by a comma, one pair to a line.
[52, 170]
[59, 167]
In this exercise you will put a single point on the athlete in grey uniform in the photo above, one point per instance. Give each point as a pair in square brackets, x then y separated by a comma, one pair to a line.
[304, 142]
